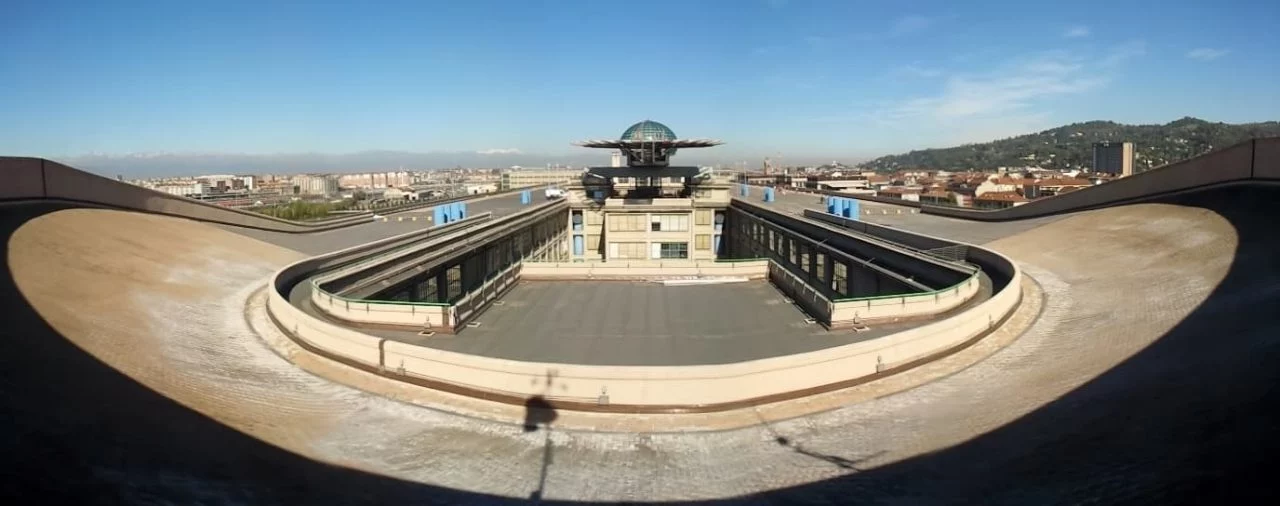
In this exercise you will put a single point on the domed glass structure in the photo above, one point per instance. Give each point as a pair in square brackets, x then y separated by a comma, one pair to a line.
[648, 144]
[648, 131]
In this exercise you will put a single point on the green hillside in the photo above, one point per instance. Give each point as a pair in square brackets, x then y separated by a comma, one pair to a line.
[1071, 146]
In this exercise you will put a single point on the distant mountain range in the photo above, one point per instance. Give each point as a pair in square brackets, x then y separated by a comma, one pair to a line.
[1071, 146]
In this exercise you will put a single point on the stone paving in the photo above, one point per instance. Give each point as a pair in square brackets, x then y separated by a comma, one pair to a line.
[1148, 377]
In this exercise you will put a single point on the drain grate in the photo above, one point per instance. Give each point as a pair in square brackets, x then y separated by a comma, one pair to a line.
[499, 302]
[810, 321]
[473, 325]
[427, 333]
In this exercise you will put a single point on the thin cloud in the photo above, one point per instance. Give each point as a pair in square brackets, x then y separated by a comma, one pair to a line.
[765, 50]
[910, 24]
[1124, 52]
[1014, 87]
[1206, 54]
[915, 71]
[1076, 32]
[499, 151]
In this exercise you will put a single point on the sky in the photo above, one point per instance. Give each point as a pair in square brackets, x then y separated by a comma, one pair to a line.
[791, 79]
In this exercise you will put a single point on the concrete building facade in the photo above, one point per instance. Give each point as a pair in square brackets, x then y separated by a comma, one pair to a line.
[646, 210]
[316, 184]
[525, 178]
[1113, 158]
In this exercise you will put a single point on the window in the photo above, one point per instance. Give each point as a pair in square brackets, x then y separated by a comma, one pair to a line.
[627, 250]
[702, 217]
[669, 223]
[703, 242]
[626, 223]
[594, 217]
[671, 250]
[593, 243]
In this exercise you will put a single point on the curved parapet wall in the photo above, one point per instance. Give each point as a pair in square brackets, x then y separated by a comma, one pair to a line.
[1252, 160]
[642, 389]
[37, 178]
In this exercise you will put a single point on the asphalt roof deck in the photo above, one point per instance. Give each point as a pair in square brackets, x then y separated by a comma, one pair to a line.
[644, 323]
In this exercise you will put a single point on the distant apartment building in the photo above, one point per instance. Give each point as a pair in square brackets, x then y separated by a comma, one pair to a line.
[316, 184]
[394, 179]
[224, 183]
[182, 188]
[276, 187]
[617, 160]
[1114, 158]
[525, 178]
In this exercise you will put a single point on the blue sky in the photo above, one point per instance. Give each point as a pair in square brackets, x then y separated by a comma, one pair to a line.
[797, 78]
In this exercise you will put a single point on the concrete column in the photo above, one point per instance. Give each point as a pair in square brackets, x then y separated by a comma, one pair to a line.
[828, 270]
[442, 286]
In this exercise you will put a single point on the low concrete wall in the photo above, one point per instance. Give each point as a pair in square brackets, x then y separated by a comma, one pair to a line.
[1266, 159]
[418, 315]
[473, 304]
[917, 241]
[624, 270]
[36, 178]
[809, 299]
[896, 308]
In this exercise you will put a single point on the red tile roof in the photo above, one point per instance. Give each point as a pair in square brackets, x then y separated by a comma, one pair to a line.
[1065, 181]
[1002, 197]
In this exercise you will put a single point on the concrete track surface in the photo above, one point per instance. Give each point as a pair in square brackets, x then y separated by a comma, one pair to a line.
[128, 374]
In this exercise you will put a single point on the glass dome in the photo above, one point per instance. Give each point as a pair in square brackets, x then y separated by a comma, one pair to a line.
[648, 131]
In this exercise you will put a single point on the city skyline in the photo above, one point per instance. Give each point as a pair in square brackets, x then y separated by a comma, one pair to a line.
[511, 83]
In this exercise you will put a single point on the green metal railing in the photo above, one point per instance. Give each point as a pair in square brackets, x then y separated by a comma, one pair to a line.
[975, 277]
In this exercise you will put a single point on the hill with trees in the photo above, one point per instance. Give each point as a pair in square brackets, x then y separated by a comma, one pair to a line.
[1071, 146]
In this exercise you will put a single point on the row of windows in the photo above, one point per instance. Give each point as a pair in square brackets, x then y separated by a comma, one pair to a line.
[643, 251]
[656, 223]
[701, 242]
[628, 250]
[627, 223]
[669, 223]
